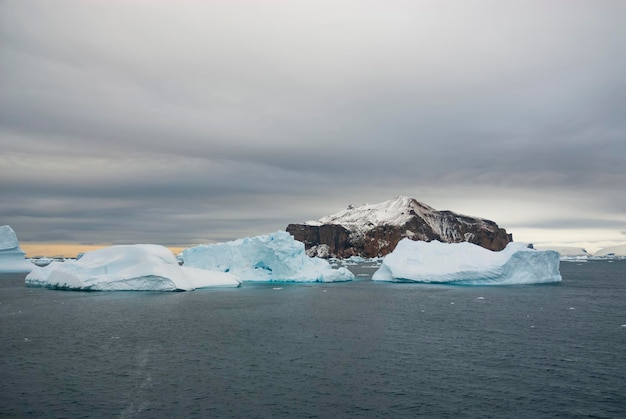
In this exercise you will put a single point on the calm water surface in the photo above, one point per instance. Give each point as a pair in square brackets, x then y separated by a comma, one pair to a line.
[360, 349]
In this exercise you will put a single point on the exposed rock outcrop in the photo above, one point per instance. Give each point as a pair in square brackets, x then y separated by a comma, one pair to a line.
[375, 230]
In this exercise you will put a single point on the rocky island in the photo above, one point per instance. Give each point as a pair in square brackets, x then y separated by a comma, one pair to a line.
[374, 230]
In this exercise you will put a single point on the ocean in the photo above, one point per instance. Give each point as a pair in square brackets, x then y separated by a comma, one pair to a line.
[358, 349]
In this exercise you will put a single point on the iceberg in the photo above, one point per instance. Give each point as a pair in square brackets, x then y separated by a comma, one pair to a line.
[615, 252]
[275, 257]
[568, 253]
[12, 258]
[468, 264]
[139, 267]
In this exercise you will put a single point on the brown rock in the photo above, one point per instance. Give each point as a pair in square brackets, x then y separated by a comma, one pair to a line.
[375, 230]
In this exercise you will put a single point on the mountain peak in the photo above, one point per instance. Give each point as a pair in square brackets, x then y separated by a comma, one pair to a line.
[395, 212]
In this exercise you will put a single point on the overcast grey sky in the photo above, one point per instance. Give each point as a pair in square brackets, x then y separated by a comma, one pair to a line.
[180, 122]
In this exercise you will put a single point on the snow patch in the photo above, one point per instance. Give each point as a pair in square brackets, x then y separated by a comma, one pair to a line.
[395, 212]
[320, 251]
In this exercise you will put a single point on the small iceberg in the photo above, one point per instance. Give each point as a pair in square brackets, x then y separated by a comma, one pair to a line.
[12, 258]
[468, 264]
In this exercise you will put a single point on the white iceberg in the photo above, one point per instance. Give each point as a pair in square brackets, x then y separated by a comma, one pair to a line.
[568, 253]
[276, 257]
[12, 258]
[140, 267]
[468, 264]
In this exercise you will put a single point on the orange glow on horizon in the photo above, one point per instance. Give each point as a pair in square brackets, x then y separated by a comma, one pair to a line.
[68, 250]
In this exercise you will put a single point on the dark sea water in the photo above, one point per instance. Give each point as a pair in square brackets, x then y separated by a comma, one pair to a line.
[360, 349]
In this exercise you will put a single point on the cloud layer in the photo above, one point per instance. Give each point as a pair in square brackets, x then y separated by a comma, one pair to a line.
[180, 122]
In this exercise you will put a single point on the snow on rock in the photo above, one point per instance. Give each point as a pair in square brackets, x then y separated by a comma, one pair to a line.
[398, 212]
[613, 251]
[373, 230]
[11, 256]
[468, 264]
[367, 216]
[321, 251]
[276, 257]
[140, 267]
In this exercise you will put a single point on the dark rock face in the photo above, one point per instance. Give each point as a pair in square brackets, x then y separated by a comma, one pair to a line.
[335, 236]
[342, 239]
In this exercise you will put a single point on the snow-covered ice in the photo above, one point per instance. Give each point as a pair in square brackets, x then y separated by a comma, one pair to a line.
[613, 251]
[568, 253]
[11, 256]
[275, 257]
[468, 264]
[140, 267]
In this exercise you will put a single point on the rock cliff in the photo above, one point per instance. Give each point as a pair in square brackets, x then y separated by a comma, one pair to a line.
[373, 230]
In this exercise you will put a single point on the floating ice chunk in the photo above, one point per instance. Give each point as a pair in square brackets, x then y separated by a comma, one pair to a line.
[8, 239]
[276, 257]
[11, 255]
[468, 264]
[141, 267]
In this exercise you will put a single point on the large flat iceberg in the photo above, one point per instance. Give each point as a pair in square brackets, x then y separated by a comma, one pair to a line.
[468, 264]
[276, 257]
[11, 255]
[140, 267]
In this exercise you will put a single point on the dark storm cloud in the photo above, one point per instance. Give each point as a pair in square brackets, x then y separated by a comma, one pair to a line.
[148, 121]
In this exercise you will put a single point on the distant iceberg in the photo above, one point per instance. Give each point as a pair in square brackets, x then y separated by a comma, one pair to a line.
[12, 258]
[616, 252]
[468, 264]
[276, 257]
[568, 253]
[140, 267]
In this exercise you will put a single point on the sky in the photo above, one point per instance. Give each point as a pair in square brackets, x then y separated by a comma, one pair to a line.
[186, 122]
